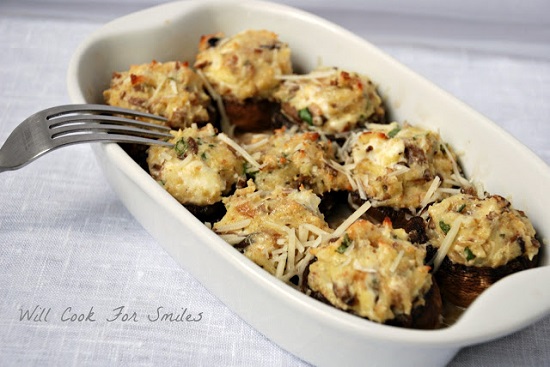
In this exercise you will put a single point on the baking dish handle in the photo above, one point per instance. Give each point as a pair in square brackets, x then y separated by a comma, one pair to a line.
[515, 301]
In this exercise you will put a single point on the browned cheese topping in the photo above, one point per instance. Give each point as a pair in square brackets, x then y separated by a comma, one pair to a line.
[170, 89]
[246, 65]
[372, 271]
[275, 228]
[397, 165]
[296, 160]
[491, 232]
[199, 169]
[332, 99]
[335, 139]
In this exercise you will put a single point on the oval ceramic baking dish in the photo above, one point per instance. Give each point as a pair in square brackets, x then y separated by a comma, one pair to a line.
[307, 328]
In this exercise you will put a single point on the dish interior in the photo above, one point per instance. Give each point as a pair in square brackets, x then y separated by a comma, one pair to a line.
[487, 153]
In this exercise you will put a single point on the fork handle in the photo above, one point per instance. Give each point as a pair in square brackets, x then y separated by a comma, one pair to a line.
[3, 165]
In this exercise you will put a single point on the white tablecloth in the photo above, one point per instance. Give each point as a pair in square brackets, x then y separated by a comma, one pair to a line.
[68, 248]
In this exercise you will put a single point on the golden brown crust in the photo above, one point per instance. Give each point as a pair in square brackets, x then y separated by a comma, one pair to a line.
[265, 224]
[427, 316]
[397, 165]
[171, 89]
[336, 144]
[199, 169]
[490, 234]
[245, 65]
[330, 99]
[372, 271]
[296, 160]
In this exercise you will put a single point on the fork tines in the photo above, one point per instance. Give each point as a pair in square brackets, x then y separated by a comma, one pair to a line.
[95, 120]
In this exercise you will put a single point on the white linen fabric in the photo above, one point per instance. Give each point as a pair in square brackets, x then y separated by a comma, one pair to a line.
[98, 283]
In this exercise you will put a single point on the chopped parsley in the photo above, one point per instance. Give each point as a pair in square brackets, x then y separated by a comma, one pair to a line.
[181, 148]
[469, 254]
[394, 132]
[346, 242]
[305, 115]
[461, 208]
[249, 170]
[444, 226]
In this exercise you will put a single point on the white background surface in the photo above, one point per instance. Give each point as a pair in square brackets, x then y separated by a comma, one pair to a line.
[66, 241]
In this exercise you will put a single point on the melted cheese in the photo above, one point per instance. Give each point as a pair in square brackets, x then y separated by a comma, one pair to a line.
[243, 153]
[400, 166]
[369, 269]
[168, 89]
[246, 65]
[372, 271]
[279, 227]
[296, 160]
[199, 169]
[491, 233]
[337, 100]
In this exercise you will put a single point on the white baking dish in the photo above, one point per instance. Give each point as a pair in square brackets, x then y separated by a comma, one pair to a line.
[309, 329]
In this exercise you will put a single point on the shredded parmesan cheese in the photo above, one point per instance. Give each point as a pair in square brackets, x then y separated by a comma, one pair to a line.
[355, 185]
[226, 139]
[352, 218]
[291, 249]
[313, 229]
[225, 124]
[256, 145]
[358, 266]
[479, 189]
[447, 242]
[234, 226]
[396, 262]
[456, 175]
[232, 239]
[159, 88]
[281, 265]
[400, 169]
[446, 190]
[429, 197]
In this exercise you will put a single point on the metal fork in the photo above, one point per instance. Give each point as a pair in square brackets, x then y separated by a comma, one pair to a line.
[60, 126]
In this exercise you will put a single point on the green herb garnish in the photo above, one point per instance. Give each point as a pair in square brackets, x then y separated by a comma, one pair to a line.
[181, 147]
[249, 170]
[444, 226]
[305, 115]
[469, 254]
[346, 242]
[393, 132]
[461, 208]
